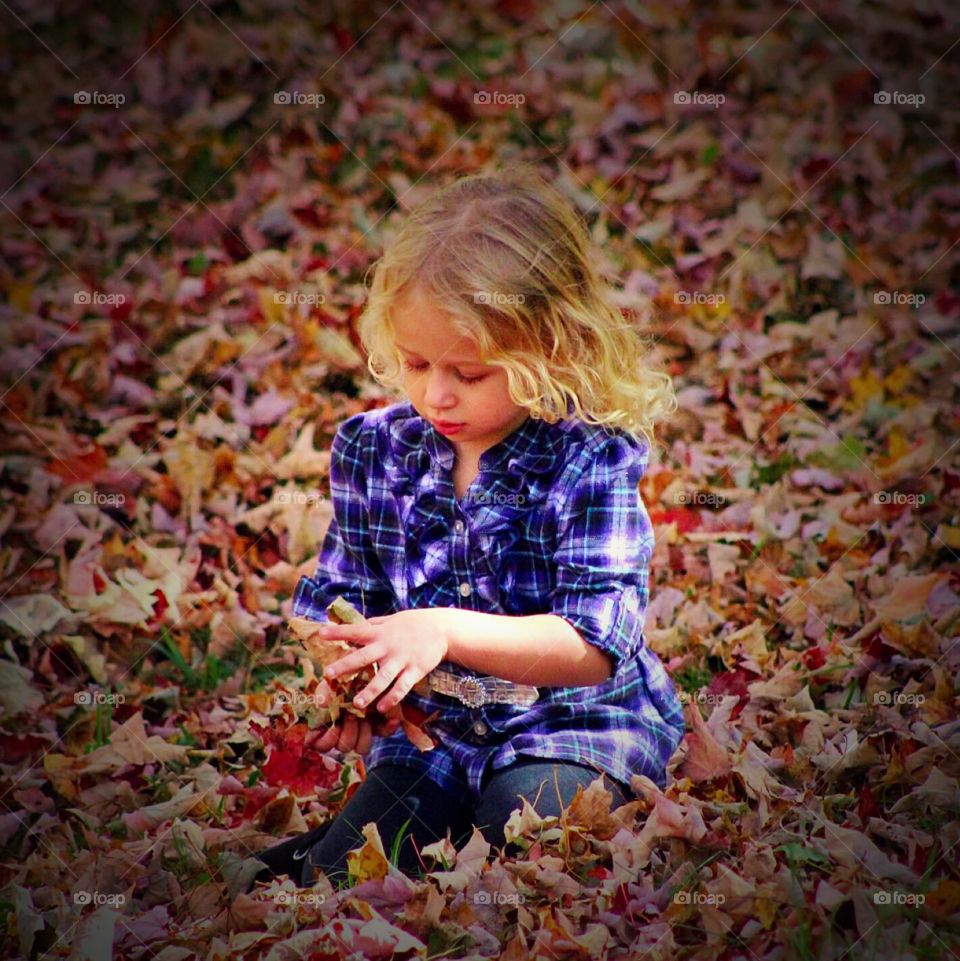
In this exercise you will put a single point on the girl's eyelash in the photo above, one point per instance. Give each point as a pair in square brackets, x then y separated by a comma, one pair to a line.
[466, 380]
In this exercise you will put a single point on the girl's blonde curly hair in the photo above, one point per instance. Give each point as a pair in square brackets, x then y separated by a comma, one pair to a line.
[508, 259]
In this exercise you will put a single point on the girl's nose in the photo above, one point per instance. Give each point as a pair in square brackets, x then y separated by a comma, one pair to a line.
[437, 390]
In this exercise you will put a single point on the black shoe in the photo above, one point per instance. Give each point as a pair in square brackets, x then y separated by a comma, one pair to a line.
[287, 856]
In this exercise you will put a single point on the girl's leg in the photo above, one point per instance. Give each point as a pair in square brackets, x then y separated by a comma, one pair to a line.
[533, 778]
[390, 795]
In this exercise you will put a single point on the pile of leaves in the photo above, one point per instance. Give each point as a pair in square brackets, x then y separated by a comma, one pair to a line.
[774, 192]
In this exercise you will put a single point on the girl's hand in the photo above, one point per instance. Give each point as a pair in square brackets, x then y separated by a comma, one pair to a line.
[349, 733]
[408, 645]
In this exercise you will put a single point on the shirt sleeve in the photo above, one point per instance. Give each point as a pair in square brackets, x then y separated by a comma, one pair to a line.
[348, 565]
[604, 543]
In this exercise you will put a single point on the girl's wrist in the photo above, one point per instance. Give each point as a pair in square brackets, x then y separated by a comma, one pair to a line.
[442, 621]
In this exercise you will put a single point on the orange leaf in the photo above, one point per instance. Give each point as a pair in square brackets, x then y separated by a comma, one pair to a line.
[79, 468]
[706, 758]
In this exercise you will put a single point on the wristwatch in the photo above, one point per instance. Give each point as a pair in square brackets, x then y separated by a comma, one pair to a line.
[475, 691]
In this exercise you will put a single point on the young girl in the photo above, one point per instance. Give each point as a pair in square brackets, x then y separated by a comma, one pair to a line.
[490, 528]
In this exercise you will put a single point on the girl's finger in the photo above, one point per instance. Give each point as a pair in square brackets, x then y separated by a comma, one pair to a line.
[376, 687]
[350, 664]
[339, 668]
[392, 725]
[365, 737]
[348, 736]
[401, 688]
[329, 739]
[357, 633]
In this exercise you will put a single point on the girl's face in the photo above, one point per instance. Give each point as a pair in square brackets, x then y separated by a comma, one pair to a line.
[447, 383]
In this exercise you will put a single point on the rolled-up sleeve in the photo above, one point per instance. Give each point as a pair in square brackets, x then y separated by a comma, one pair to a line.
[348, 565]
[604, 544]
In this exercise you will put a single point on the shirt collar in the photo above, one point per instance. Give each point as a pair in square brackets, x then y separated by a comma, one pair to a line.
[534, 446]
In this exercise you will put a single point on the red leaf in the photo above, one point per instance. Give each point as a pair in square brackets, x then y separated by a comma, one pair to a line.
[14, 749]
[79, 468]
[733, 682]
[814, 657]
[290, 763]
[344, 43]
[685, 519]
[867, 806]
[159, 606]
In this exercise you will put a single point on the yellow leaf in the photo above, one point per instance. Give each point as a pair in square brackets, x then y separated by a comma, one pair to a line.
[865, 387]
[59, 768]
[766, 906]
[191, 468]
[19, 294]
[945, 897]
[897, 379]
[897, 444]
[949, 535]
[273, 311]
[369, 862]
[908, 597]
[335, 346]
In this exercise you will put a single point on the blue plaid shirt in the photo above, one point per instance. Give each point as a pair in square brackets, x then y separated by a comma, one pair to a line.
[553, 524]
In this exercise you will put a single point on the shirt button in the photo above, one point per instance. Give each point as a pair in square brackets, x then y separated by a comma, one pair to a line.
[458, 526]
[465, 589]
[480, 727]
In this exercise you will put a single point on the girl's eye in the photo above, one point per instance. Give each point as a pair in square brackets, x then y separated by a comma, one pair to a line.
[460, 377]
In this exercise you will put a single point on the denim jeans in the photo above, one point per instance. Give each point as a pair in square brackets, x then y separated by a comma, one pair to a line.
[391, 794]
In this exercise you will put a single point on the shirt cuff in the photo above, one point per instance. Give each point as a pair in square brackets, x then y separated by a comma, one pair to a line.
[611, 621]
[309, 600]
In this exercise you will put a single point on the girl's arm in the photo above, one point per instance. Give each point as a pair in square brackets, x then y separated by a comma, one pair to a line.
[539, 649]
[347, 566]
[604, 541]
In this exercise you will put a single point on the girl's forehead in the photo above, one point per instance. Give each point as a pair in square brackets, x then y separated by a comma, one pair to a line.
[426, 328]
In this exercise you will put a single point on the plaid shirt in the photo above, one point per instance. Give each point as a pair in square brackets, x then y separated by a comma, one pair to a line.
[554, 523]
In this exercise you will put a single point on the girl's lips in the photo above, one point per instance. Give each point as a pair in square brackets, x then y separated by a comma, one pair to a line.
[446, 427]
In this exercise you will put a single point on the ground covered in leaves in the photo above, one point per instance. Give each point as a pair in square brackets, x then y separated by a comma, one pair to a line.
[193, 193]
